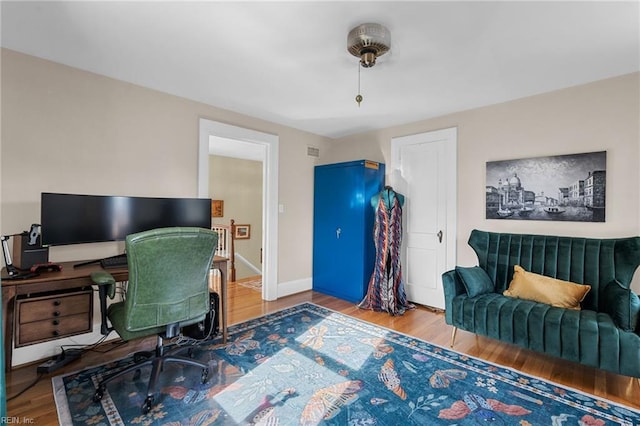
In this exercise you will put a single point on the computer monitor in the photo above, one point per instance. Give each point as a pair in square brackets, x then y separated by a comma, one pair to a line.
[75, 218]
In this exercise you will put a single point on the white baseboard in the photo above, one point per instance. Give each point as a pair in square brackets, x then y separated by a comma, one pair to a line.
[251, 266]
[295, 286]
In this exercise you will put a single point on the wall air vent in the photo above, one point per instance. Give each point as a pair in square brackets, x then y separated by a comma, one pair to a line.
[312, 151]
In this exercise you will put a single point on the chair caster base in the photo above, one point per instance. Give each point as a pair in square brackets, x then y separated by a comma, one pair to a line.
[205, 376]
[97, 397]
[148, 404]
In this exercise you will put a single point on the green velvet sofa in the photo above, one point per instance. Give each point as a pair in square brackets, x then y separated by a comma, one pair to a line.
[604, 333]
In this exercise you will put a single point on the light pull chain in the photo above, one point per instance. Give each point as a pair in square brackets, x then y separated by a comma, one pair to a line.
[359, 96]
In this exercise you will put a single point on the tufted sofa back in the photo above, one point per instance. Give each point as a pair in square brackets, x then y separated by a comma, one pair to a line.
[580, 260]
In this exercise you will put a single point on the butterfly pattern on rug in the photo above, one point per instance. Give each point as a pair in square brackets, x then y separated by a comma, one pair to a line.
[266, 412]
[327, 402]
[443, 378]
[307, 365]
[391, 380]
[382, 349]
[315, 340]
[484, 411]
[243, 343]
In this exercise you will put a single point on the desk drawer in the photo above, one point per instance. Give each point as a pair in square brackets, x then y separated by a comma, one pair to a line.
[51, 316]
[40, 331]
[40, 308]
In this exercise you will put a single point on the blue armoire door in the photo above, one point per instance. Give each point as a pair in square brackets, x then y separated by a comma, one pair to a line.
[343, 249]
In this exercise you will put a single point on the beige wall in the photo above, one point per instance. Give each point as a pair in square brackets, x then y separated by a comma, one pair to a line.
[594, 117]
[67, 130]
[238, 183]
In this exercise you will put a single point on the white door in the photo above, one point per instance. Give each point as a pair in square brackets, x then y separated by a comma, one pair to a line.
[423, 168]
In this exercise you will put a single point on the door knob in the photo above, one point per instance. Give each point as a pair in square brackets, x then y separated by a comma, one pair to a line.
[439, 234]
[338, 232]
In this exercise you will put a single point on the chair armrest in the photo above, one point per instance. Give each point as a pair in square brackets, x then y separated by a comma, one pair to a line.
[452, 288]
[106, 287]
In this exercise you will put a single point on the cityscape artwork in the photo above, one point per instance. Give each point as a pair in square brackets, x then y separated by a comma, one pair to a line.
[561, 188]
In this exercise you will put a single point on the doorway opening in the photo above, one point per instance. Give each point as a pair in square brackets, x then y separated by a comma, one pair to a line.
[235, 186]
[265, 147]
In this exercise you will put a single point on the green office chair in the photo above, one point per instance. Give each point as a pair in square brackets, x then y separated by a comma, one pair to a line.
[167, 289]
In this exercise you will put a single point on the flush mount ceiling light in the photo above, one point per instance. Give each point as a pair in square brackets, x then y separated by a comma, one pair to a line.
[367, 42]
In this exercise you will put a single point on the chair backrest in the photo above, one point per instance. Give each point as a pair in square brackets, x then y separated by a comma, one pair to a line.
[580, 260]
[168, 276]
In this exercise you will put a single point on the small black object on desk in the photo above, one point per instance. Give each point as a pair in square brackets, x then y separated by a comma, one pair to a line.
[46, 267]
[117, 261]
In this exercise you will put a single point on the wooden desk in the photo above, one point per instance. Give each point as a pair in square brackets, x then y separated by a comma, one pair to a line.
[71, 278]
[220, 263]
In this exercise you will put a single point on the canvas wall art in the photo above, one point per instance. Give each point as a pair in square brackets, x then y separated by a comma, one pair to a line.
[560, 188]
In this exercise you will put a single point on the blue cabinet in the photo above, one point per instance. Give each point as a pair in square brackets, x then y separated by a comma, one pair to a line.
[343, 249]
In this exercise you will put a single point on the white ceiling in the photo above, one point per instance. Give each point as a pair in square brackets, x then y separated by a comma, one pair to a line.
[287, 62]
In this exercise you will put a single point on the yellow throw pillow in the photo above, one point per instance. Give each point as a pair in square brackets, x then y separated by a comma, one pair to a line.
[554, 292]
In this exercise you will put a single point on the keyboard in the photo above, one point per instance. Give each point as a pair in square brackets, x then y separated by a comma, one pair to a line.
[117, 261]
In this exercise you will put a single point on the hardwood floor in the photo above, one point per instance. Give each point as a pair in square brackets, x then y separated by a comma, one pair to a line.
[37, 403]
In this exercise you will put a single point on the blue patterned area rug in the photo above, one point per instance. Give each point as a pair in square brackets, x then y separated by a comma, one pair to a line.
[307, 365]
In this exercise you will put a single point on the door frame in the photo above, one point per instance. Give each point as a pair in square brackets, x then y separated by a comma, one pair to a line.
[450, 137]
[270, 145]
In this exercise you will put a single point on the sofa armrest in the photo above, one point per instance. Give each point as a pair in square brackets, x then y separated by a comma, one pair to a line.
[622, 305]
[452, 288]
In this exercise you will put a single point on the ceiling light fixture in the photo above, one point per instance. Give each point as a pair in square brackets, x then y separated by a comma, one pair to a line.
[367, 42]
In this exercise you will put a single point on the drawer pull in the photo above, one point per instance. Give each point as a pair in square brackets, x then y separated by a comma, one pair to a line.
[40, 318]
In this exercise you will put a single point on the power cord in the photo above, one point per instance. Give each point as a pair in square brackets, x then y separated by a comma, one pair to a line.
[69, 353]
[85, 348]
[182, 340]
[93, 347]
[115, 345]
[37, 379]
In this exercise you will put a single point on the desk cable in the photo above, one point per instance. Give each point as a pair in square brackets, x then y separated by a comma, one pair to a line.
[182, 340]
[29, 386]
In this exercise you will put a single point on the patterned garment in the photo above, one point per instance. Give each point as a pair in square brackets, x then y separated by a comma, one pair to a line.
[386, 287]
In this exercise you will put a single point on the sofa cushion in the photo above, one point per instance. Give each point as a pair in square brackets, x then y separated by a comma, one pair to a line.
[475, 280]
[543, 289]
[584, 336]
[622, 304]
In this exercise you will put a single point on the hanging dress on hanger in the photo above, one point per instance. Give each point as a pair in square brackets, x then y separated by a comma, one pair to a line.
[386, 287]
